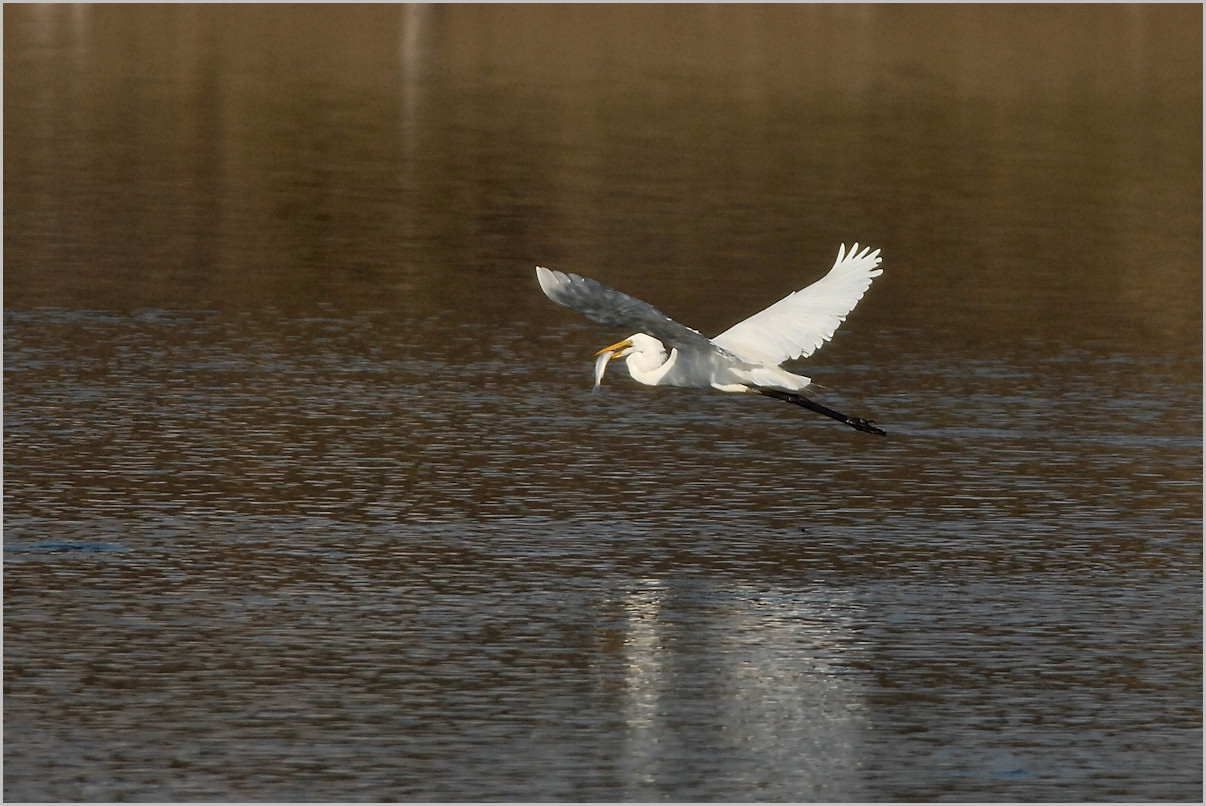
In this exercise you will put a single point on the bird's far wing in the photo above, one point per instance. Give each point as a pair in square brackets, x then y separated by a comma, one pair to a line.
[607, 306]
[798, 324]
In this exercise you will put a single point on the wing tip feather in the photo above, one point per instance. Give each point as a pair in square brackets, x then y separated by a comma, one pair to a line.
[854, 255]
[551, 281]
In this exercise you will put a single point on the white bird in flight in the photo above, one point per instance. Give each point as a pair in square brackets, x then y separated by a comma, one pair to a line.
[747, 356]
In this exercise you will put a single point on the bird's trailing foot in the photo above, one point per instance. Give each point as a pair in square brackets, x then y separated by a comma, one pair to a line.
[857, 423]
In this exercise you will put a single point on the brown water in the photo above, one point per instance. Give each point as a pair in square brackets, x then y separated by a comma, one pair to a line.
[307, 497]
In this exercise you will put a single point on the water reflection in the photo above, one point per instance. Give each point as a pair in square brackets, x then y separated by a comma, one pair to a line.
[780, 669]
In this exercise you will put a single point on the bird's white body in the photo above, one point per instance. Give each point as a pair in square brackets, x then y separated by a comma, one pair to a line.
[650, 363]
[745, 358]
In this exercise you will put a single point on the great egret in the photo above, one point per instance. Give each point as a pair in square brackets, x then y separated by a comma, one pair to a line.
[746, 357]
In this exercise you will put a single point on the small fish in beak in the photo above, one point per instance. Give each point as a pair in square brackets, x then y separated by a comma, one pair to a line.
[601, 366]
[617, 350]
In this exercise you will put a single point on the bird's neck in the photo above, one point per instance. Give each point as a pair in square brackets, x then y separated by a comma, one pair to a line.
[650, 369]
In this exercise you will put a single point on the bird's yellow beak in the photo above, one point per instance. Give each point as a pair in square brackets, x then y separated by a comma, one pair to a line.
[616, 348]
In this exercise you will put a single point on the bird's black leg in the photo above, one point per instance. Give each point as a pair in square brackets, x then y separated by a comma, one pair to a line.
[857, 423]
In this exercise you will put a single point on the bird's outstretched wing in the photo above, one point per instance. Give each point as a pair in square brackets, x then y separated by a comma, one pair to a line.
[607, 306]
[798, 324]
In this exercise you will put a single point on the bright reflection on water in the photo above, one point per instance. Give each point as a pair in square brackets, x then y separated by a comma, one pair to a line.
[307, 496]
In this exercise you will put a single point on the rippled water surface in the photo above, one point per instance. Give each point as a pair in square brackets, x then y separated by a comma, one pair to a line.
[307, 495]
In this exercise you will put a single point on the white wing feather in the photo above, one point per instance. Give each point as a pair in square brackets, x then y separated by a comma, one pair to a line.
[605, 305]
[795, 326]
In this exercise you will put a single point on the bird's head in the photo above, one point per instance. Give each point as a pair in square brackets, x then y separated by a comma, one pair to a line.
[644, 354]
[641, 344]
